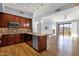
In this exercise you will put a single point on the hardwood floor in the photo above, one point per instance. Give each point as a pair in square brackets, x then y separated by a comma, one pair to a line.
[21, 49]
[55, 47]
[62, 47]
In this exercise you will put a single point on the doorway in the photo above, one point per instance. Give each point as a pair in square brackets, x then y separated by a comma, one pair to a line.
[64, 35]
[64, 30]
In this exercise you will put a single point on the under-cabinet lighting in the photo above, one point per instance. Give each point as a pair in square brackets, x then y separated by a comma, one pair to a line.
[26, 25]
[24, 7]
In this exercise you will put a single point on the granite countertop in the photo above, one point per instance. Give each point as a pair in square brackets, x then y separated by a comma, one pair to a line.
[31, 33]
[19, 31]
[36, 34]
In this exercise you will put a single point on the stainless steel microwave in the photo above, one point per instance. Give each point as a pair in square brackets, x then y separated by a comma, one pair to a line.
[12, 24]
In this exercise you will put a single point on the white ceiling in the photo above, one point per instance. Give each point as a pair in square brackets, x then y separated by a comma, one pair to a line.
[39, 9]
[32, 7]
[66, 15]
[27, 7]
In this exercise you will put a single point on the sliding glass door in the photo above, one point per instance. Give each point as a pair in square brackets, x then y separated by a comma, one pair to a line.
[64, 36]
[67, 28]
[64, 30]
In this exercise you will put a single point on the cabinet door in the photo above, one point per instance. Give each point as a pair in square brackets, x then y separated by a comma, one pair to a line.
[3, 20]
[23, 22]
[29, 24]
[17, 19]
[11, 39]
[4, 40]
[1, 16]
[18, 38]
[42, 42]
[22, 37]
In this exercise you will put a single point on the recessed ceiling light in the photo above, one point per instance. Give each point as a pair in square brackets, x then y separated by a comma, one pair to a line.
[34, 10]
[37, 8]
[42, 4]
[24, 7]
[37, 22]
[42, 21]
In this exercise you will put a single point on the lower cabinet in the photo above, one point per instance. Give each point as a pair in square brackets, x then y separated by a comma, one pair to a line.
[39, 42]
[4, 40]
[28, 39]
[10, 39]
[29, 43]
[14, 38]
[42, 43]
[18, 38]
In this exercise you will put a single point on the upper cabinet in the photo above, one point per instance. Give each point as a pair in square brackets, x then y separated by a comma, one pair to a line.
[3, 20]
[26, 23]
[23, 22]
[6, 18]
[29, 23]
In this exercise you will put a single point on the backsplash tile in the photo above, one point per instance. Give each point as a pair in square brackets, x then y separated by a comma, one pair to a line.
[13, 30]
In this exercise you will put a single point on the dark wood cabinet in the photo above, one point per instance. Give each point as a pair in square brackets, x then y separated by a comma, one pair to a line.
[42, 42]
[18, 38]
[29, 22]
[3, 20]
[11, 39]
[14, 38]
[28, 39]
[4, 40]
[39, 42]
[8, 39]
[23, 21]
[26, 23]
